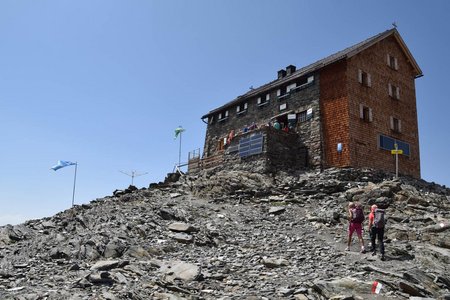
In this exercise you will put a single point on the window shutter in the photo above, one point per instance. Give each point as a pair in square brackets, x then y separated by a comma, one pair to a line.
[399, 125]
[388, 59]
[268, 97]
[369, 80]
[245, 106]
[361, 111]
[396, 63]
[392, 122]
[390, 89]
[370, 115]
[397, 92]
[360, 76]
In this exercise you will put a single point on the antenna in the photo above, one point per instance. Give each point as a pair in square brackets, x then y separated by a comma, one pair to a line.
[394, 24]
[133, 174]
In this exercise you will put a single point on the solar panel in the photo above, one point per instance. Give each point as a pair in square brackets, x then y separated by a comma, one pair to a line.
[251, 145]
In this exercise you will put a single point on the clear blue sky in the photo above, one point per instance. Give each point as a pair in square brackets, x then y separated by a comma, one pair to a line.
[105, 82]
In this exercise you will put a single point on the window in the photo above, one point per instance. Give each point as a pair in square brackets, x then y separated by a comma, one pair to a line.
[223, 115]
[394, 91]
[300, 84]
[388, 143]
[283, 106]
[302, 116]
[392, 62]
[241, 108]
[305, 115]
[263, 100]
[364, 78]
[291, 87]
[365, 113]
[281, 92]
[396, 124]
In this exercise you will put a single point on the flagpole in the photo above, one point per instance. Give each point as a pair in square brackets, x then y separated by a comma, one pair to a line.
[74, 183]
[179, 151]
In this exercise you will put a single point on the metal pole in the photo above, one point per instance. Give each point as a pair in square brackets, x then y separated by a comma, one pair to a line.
[396, 160]
[179, 151]
[74, 183]
[396, 165]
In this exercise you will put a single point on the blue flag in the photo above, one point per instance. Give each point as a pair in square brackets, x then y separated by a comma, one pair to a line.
[62, 164]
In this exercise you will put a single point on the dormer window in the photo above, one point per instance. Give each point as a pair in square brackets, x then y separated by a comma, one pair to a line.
[392, 62]
[223, 116]
[364, 78]
[241, 108]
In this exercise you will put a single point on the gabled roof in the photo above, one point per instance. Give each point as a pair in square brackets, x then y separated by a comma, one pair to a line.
[343, 54]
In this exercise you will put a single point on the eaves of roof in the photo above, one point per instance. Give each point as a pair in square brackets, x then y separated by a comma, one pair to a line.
[343, 54]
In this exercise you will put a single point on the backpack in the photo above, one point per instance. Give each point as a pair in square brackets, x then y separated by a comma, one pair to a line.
[378, 218]
[357, 215]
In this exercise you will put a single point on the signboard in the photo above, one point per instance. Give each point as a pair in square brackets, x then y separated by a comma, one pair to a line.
[396, 151]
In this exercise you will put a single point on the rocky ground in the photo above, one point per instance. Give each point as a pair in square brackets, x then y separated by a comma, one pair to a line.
[235, 235]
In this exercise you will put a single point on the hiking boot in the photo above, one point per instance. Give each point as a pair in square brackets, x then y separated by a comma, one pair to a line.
[383, 258]
[374, 253]
[347, 249]
[363, 250]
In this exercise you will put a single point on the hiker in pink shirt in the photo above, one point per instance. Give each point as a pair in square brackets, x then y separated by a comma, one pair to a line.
[356, 218]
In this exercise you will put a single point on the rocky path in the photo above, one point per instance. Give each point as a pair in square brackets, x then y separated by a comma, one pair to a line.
[251, 237]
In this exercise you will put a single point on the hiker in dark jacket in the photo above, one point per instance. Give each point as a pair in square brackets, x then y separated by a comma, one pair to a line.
[355, 217]
[376, 229]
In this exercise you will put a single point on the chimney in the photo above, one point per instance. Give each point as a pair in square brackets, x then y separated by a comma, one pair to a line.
[290, 70]
[281, 74]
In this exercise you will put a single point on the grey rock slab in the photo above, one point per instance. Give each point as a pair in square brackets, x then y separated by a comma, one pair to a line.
[276, 210]
[179, 270]
[410, 289]
[341, 286]
[105, 265]
[182, 227]
[442, 226]
[274, 262]
[183, 238]
[101, 278]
